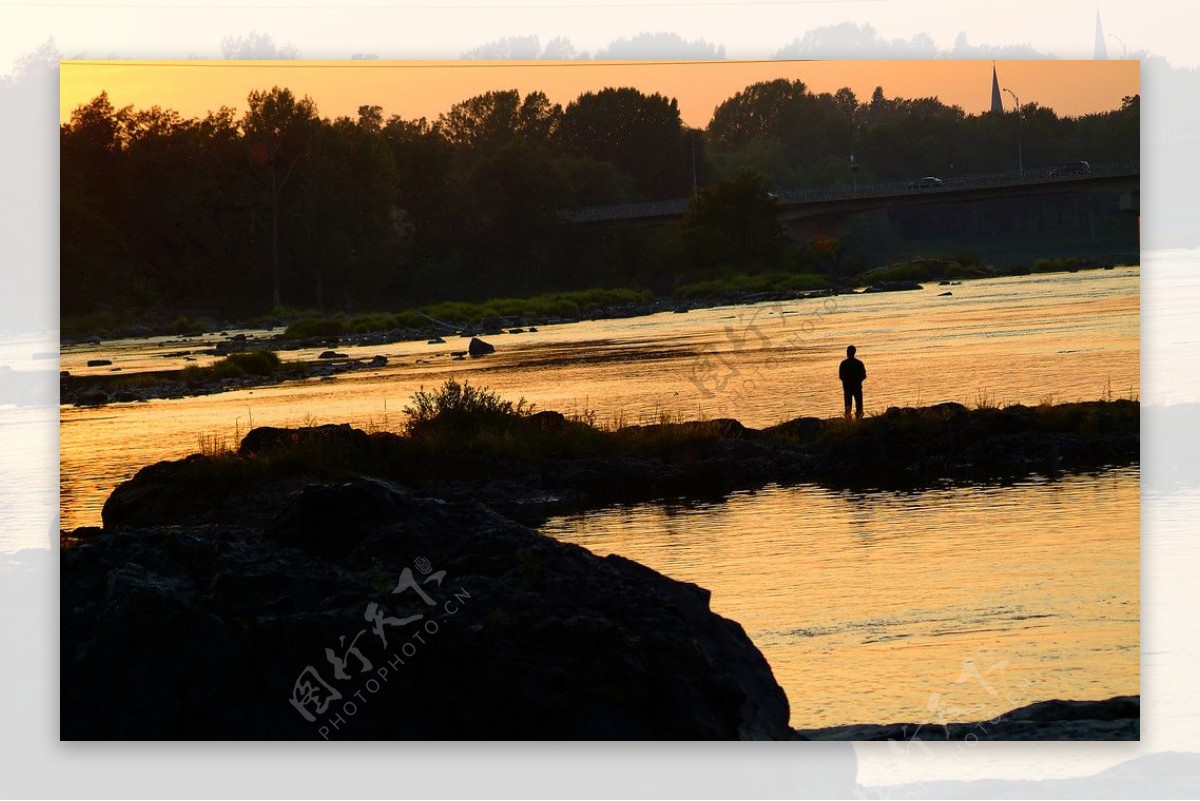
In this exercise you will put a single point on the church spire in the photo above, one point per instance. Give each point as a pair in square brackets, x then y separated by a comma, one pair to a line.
[1101, 53]
[997, 103]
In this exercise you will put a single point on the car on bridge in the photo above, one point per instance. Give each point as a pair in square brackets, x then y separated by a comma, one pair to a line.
[928, 182]
[1071, 168]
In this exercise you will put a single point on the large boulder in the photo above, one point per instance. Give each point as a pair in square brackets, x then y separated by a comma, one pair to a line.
[445, 620]
[478, 347]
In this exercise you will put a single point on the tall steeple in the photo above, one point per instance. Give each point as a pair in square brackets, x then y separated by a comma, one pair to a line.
[997, 103]
[1101, 53]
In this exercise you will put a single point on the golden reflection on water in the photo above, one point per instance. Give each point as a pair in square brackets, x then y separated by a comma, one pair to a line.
[1010, 340]
[951, 604]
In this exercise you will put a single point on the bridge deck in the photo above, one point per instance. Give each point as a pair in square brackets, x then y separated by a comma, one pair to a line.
[792, 198]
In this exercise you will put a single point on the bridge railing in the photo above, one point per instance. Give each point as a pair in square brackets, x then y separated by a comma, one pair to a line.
[676, 207]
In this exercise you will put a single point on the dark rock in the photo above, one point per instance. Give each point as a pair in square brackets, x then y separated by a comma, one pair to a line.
[478, 347]
[950, 410]
[332, 354]
[99, 362]
[64, 373]
[125, 396]
[516, 331]
[238, 338]
[893, 286]
[328, 439]
[802, 428]
[548, 419]
[208, 631]
[378, 361]
[330, 520]
[1117, 718]
[436, 341]
[946, 295]
[91, 397]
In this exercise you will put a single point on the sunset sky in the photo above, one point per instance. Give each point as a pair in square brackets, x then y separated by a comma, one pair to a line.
[428, 88]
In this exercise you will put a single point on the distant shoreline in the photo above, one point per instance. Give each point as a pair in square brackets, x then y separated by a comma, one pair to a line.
[115, 386]
[769, 287]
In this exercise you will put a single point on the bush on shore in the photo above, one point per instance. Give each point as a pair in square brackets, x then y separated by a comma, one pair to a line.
[235, 365]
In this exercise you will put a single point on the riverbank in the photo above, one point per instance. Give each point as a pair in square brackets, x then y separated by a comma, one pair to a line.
[492, 317]
[251, 563]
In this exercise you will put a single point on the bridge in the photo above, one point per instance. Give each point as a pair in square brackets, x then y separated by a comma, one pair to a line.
[804, 211]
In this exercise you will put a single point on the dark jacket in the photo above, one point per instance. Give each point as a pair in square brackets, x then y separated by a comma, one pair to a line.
[852, 371]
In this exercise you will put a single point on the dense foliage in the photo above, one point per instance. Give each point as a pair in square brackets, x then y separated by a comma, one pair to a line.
[278, 207]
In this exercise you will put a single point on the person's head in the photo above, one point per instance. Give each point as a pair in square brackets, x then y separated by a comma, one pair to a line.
[851, 350]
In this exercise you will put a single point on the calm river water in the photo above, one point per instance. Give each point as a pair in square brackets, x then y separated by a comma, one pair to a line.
[956, 603]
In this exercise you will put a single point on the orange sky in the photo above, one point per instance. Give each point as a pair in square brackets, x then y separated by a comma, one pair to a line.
[427, 88]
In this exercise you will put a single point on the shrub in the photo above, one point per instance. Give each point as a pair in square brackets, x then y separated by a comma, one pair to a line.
[315, 327]
[185, 326]
[235, 365]
[254, 362]
[924, 269]
[460, 411]
[741, 283]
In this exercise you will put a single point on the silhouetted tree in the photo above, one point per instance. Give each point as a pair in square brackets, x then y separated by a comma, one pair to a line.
[643, 135]
[733, 224]
[278, 129]
[493, 119]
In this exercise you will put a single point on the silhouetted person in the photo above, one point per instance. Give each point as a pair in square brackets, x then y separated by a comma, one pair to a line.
[852, 373]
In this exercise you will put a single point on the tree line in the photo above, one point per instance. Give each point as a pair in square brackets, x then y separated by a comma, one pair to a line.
[280, 207]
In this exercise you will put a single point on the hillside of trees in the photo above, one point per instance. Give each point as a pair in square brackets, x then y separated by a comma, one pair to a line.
[278, 207]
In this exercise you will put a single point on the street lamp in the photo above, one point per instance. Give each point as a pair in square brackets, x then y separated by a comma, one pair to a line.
[1020, 157]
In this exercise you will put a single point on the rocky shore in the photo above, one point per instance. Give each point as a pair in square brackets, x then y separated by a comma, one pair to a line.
[444, 620]
[120, 387]
[1117, 718]
[329, 583]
